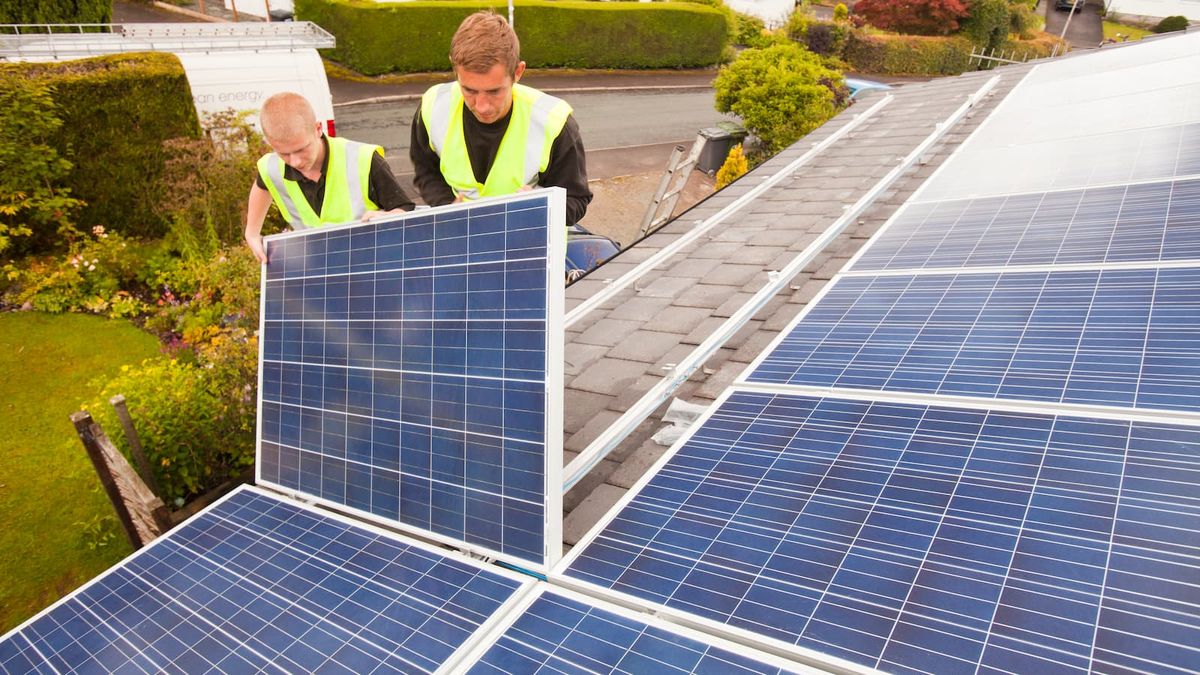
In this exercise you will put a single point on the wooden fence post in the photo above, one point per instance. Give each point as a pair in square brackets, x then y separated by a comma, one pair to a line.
[135, 444]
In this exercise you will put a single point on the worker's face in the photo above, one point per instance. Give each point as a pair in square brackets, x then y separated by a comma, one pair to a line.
[303, 152]
[488, 95]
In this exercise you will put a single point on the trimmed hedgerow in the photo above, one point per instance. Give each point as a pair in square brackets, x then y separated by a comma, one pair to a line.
[415, 36]
[56, 11]
[116, 112]
[907, 54]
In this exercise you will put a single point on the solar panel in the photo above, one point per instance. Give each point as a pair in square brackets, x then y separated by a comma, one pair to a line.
[1126, 223]
[1146, 152]
[562, 631]
[919, 538]
[406, 372]
[1126, 337]
[257, 583]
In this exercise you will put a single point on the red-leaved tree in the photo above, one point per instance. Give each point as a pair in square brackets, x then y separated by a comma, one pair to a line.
[917, 17]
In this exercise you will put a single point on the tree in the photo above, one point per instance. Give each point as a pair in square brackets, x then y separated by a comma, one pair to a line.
[988, 23]
[780, 93]
[32, 198]
[917, 17]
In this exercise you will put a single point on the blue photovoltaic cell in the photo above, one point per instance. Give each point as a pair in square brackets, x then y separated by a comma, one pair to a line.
[404, 371]
[1128, 223]
[1126, 156]
[1125, 338]
[915, 538]
[258, 584]
[557, 634]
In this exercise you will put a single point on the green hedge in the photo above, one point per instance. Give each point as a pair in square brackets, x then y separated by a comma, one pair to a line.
[415, 36]
[907, 54]
[116, 112]
[56, 11]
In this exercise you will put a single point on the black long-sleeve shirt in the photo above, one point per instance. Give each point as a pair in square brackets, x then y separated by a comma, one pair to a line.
[567, 168]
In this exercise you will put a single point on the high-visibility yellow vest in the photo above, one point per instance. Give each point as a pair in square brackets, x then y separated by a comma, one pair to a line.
[537, 119]
[349, 164]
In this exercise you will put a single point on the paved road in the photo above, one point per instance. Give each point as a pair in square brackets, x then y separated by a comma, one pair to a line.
[626, 132]
[1085, 30]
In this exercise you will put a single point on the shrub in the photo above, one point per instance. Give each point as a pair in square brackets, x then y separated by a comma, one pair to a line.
[734, 167]
[917, 17]
[202, 298]
[101, 274]
[1023, 20]
[781, 93]
[34, 198]
[56, 11]
[987, 23]
[841, 13]
[796, 26]
[751, 31]
[826, 38]
[116, 112]
[1170, 24]
[415, 36]
[195, 420]
[907, 54]
[204, 184]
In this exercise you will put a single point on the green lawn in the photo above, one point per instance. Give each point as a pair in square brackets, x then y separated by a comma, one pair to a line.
[1127, 32]
[51, 502]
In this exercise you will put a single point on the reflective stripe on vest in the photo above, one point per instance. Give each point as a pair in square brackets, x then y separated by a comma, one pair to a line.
[537, 119]
[349, 163]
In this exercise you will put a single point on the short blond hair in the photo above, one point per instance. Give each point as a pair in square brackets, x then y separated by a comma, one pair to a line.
[285, 116]
[482, 40]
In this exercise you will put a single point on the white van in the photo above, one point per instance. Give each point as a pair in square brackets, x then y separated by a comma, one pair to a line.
[228, 65]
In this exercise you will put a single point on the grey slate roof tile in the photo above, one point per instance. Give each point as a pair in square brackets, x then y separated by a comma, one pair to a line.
[708, 296]
[639, 308]
[608, 333]
[609, 376]
[589, 511]
[579, 356]
[646, 346]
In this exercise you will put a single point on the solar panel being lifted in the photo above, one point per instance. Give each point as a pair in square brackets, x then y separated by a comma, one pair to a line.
[920, 538]
[406, 372]
[260, 584]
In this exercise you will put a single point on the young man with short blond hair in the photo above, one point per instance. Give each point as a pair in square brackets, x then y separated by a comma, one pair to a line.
[313, 179]
[514, 138]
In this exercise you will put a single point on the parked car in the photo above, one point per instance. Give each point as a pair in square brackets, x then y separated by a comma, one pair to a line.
[586, 251]
[1069, 5]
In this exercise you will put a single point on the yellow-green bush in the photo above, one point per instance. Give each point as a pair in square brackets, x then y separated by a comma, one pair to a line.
[734, 167]
[907, 54]
[116, 113]
[1039, 47]
[415, 36]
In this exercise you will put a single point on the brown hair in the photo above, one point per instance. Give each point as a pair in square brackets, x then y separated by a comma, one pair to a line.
[482, 40]
[285, 116]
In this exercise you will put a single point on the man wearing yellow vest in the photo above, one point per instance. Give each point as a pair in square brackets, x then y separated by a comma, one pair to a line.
[514, 138]
[313, 179]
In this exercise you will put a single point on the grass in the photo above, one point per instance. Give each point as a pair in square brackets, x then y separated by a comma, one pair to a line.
[59, 528]
[1129, 32]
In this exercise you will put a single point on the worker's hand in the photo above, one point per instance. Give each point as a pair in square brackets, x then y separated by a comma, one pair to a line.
[525, 188]
[256, 247]
[458, 199]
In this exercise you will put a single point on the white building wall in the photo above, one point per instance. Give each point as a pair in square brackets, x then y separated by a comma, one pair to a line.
[773, 12]
[1157, 8]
